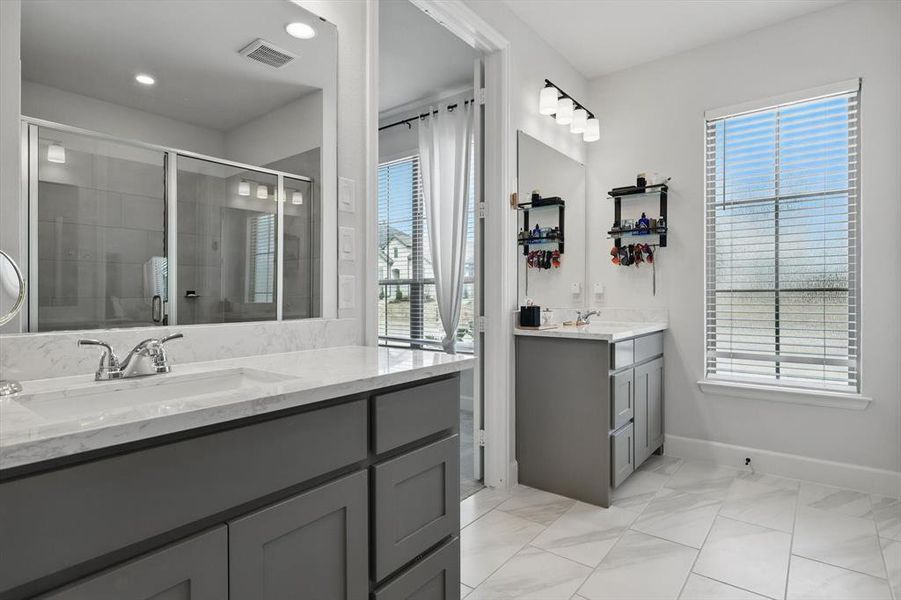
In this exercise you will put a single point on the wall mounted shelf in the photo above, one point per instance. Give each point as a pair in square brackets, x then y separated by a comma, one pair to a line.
[542, 204]
[634, 192]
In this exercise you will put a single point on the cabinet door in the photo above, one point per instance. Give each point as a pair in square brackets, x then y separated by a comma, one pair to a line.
[416, 503]
[648, 409]
[194, 569]
[622, 396]
[622, 454]
[436, 577]
[313, 545]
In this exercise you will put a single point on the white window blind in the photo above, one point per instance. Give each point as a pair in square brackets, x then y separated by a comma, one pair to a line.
[781, 241]
[408, 309]
[261, 255]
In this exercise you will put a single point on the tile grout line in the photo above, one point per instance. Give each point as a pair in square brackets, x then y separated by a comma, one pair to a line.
[791, 546]
[701, 549]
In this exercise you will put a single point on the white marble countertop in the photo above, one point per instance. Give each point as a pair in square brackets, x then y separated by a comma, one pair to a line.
[297, 378]
[605, 331]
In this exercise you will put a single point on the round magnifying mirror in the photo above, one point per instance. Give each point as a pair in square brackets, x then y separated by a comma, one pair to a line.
[12, 288]
[12, 296]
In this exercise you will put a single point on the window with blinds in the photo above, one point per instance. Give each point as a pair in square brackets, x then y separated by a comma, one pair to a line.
[408, 309]
[781, 239]
[261, 256]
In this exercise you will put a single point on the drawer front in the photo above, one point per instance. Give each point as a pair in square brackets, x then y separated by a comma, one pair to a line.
[648, 346]
[436, 577]
[407, 415]
[622, 398]
[622, 454]
[416, 503]
[194, 569]
[316, 540]
[62, 518]
[622, 354]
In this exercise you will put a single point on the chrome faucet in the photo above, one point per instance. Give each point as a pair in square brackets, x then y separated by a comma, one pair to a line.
[585, 318]
[147, 358]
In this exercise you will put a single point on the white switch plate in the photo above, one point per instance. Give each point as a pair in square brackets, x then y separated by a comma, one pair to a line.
[598, 289]
[346, 193]
[346, 286]
[575, 288]
[346, 244]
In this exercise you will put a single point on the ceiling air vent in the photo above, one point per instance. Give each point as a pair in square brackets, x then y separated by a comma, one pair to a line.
[267, 53]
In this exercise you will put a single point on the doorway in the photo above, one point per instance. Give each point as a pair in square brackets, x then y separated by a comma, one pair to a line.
[423, 68]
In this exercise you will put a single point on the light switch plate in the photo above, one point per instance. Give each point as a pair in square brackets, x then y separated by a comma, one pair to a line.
[575, 288]
[598, 289]
[346, 243]
[346, 192]
[346, 286]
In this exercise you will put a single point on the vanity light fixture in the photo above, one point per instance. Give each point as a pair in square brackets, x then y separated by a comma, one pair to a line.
[244, 188]
[56, 153]
[145, 79]
[296, 197]
[262, 191]
[301, 31]
[554, 102]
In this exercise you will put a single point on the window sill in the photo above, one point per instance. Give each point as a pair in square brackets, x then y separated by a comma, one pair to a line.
[782, 394]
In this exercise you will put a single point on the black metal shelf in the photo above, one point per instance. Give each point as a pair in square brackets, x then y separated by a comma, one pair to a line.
[617, 194]
[635, 233]
[527, 207]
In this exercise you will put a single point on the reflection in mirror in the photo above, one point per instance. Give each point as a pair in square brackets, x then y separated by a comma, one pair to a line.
[551, 174]
[12, 288]
[148, 152]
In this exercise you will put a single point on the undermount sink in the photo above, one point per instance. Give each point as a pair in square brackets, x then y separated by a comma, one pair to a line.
[100, 397]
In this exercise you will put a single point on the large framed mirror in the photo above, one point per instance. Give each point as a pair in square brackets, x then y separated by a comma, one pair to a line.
[179, 162]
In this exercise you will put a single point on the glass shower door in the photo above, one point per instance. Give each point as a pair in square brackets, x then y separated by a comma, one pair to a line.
[97, 218]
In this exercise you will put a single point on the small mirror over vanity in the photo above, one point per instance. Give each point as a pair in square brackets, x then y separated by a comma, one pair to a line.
[167, 182]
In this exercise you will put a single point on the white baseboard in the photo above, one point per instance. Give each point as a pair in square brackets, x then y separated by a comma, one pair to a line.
[845, 475]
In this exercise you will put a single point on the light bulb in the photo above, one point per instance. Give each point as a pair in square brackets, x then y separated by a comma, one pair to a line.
[262, 191]
[244, 188]
[580, 118]
[296, 197]
[592, 130]
[56, 154]
[564, 111]
[547, 100]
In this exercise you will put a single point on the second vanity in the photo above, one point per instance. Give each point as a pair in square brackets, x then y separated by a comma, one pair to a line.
[589, 405]
[320, 474]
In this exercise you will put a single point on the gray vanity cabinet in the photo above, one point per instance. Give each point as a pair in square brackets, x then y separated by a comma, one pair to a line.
[648, 409]
[436, 577]
[622, 453]
[622, 401]
[193, 569]
[311, 545]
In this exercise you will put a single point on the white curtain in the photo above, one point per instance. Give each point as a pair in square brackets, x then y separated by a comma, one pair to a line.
[445, 153]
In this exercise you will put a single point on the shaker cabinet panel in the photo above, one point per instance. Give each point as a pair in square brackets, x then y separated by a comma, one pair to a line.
[648, 409]
[311, 545]
[622, 394]
[193, 569]
[416, 503]
[436, 577]
[622, 454]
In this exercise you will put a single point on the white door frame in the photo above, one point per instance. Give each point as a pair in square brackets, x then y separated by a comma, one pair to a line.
[500, 225]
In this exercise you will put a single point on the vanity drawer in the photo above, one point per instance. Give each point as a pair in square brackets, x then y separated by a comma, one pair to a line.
[416, 503]
[436, 577]
[622, 454]
[622, 354]
[62, 518]
[622, 398]
[411, 414]
[648, 346]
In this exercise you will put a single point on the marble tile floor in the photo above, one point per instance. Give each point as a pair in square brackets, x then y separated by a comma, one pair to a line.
[684, 530]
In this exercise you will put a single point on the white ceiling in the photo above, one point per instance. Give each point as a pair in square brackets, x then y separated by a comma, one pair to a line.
[95, 48]
[418, 58]
[602, 36]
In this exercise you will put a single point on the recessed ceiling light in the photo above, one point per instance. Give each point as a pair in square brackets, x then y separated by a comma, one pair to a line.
[144, 79]
[300, 30]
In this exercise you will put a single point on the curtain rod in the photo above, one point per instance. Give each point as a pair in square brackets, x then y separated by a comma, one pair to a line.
[409, 122]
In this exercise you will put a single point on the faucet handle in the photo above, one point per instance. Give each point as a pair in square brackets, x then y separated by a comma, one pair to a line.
[109, 367]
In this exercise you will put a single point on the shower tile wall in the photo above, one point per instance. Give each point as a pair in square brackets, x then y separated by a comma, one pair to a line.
[100, 220]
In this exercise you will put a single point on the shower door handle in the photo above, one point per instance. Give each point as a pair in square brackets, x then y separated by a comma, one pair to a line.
[156, 309]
